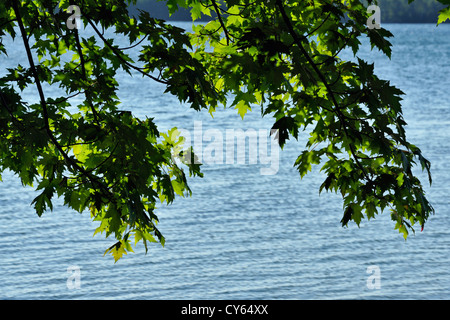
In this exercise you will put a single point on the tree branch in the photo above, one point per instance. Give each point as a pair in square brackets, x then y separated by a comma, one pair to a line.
[70, 162]
[216, 9]
[117, 52]
[83, 71]
[322, 78]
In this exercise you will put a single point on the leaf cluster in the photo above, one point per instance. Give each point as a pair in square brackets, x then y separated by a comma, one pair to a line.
[281, 57]
[92, 154]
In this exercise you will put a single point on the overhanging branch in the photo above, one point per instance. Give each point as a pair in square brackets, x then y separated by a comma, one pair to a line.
[322, 78]
[54, 141]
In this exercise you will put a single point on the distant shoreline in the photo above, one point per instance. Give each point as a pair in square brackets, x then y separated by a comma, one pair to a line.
[400, 12]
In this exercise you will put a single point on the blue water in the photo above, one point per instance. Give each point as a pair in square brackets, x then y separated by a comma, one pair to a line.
[243, 235]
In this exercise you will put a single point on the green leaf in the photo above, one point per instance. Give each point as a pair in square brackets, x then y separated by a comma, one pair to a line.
[117, 250]
[347, 215]
[283, 127]
[328, 181]
[378, 39]
[41, 202]
[444, 15]
[81, 152]
[243, 107]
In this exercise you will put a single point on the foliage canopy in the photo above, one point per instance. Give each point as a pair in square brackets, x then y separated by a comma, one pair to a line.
[279, 56]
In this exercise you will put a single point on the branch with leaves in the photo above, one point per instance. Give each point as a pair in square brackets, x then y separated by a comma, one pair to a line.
[279, 56]
[352, 111]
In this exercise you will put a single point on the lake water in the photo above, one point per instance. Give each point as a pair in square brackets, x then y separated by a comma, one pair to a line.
[243, 235]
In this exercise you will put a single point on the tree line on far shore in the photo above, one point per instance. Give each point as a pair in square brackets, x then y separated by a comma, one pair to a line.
[398, 11]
